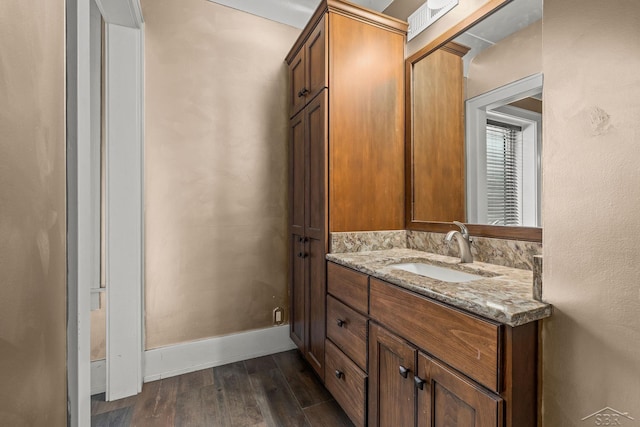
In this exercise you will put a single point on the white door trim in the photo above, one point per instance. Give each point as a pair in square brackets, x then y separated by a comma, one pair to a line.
[124, 209]
[80, 234]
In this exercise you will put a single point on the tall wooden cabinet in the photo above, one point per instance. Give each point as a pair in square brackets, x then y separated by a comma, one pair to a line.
[346, 100]
[436, 125]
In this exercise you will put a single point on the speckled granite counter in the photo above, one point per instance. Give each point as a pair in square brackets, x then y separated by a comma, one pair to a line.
[504, 294]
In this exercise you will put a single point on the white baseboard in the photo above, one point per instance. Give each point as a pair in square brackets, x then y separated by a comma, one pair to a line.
[179, 359]
[98, 376]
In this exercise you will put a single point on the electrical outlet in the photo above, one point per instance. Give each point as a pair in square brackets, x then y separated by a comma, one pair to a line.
[278, 316]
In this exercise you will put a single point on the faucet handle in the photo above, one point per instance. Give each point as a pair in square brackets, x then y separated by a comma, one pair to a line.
[463, 229]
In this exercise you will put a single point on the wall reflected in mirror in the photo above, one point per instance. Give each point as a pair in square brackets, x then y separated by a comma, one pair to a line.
[475, 124]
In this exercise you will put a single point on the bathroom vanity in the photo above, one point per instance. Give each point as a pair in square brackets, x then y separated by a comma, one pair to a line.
[405, 349]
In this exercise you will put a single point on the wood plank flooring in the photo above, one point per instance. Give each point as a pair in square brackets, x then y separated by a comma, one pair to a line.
[277, 390]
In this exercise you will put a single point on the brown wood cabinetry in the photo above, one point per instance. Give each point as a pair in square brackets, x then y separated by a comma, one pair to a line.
[347, 141]
[308, 69]
[409, 388]
[429, 364]
[391, 389]
[348, 330]
[447, 399]
[347, 383]
[349, 286]
[468, 343]
[347, 340]
[438, 94]
[308, 230]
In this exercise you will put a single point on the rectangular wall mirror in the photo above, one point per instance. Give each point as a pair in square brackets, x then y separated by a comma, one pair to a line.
[474, 125]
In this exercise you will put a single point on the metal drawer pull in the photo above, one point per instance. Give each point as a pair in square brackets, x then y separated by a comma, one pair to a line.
[419, 382]
[403, 371]
[340, 323]
[339, 374]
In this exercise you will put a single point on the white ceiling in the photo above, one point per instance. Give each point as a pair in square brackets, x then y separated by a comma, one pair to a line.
[291, 12]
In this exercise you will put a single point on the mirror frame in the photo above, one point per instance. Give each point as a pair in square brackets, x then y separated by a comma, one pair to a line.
[533, 234]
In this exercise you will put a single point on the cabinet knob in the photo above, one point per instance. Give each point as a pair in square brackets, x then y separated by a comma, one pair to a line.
[303, 92]
[340, 323]
[302, 255]
[419, 382]
[403, 371]
[339, 374]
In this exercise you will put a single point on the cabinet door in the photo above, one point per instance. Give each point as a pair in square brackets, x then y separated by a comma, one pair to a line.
[446, 399]
[297, 294]
[315, 265]
[297, 174]
[316, 60]
[391, 375]
[297, 78]
[316, 173]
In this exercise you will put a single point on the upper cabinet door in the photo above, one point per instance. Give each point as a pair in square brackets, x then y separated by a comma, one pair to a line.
[316, 167]
[308, 69]
[297, 77]
[446, 399]
[316, 60]
[297, 178]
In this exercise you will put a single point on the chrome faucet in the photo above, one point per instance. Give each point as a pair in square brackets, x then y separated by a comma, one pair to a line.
[464, 243]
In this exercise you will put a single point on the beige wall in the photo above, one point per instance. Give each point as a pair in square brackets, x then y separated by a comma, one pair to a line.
[32, 214]
[216, 170]
[511, 59]
[591, 203]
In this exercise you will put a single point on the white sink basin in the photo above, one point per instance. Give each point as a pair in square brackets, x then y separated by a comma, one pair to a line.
[439, 273]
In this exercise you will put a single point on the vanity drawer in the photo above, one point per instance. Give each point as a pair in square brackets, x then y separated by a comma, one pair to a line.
[346, 382]
[348, 330]
[349, 286]
[465, 342]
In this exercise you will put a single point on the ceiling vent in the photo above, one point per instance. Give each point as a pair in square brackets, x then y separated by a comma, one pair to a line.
[427, 14]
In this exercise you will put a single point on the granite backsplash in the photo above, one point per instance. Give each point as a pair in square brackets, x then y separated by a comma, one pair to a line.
[509, 253]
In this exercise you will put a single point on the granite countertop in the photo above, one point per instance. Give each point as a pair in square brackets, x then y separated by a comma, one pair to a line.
[504, 294]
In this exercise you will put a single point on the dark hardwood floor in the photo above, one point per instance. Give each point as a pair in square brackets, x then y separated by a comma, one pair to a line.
[276, 390]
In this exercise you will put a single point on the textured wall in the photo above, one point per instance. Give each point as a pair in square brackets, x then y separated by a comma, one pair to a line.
[32, 214]
[216, 170]
[511, 59]
[591, 202]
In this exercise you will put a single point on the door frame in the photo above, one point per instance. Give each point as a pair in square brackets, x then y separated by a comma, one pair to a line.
[82, 235]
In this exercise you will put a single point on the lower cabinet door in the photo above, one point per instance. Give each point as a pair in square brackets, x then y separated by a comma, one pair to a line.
[446, 399]
[297, 310]
[391, 379]
[315, 274]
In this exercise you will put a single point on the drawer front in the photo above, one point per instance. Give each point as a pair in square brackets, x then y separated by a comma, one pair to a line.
[348, 330]
[349, 286]
[465, 342]
[347, 383]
